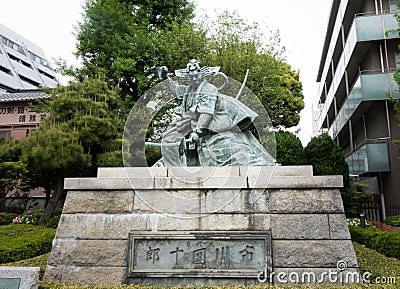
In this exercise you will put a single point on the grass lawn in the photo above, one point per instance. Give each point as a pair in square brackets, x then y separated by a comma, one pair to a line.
[381, 268]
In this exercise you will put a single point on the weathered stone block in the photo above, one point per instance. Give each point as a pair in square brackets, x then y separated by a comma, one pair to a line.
[225, 222]
[168, 201]
[299, 226]
[296, 182]
[338, 227]
[313, 253]
[261, 222]
[28, 276]
[276, 171]
[105, 253]
[132, 172]
[306, 201]
[100, 226]
[200, 183]
[234, 201]
[98, 202]
[202, 172]
[87, 275]
[304, 213]
[174, 222]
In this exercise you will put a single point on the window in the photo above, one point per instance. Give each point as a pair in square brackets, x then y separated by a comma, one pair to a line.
[5, 70]
[27, 80]
[21, 50]
[393, 5]
[47, 75]
[397, 58]
[5, 134]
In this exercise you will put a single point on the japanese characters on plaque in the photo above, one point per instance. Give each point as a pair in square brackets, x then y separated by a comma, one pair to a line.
[19, 114]
[227, 253]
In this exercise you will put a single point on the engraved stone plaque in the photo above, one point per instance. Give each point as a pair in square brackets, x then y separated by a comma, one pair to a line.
[9, 283]
[199, 254]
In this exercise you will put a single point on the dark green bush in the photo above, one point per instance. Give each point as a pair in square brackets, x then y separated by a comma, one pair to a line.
[6, 218]
[19, 242]
[52, 222]
[393, 221]
[387, 243]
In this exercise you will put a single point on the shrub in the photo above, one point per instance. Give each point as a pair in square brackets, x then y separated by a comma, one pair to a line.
[19, 242]
[393, 221]
[6, 218]
[29, 217]
[39, 261]
[52, 222]
[387, 243]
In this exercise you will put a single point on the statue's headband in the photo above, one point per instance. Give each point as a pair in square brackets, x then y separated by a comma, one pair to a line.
[206, 71]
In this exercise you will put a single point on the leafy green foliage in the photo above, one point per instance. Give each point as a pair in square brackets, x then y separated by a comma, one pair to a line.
[377, 264]
[289, 149]
[39, 261]
[122, 39]
[353, 196]
[393, 221]
[327, 158]
[6, 218]
[237, 46]
[387, 243]
[13, 180]
[19, 242]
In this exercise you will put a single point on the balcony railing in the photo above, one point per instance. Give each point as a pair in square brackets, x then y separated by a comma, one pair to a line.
[364, 28]
[370, 157]
[367, 87]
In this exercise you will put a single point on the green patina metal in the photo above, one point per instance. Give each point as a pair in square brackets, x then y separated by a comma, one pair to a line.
[213, 129]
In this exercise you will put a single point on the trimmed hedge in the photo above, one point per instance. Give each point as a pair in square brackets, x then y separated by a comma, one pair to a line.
[387, 243]
[393, 221]
[39, 261]
[19, 242]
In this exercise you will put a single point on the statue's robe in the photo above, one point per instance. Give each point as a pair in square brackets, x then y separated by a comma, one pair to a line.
[227, 140]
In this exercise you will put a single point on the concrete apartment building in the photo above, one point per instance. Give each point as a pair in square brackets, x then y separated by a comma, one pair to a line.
[355, 78]
[23, 69]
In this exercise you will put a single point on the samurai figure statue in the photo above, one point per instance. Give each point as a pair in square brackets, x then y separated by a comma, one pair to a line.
[213, 129]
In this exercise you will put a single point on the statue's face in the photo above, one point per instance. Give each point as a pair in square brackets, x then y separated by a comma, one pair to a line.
[194, 72]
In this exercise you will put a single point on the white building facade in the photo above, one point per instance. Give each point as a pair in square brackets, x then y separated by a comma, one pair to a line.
[23, 65]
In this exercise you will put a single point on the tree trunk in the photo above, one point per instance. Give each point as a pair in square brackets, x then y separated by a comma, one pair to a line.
[3, 200]
[59, 195]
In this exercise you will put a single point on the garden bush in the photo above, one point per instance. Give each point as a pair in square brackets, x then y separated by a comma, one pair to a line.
[387, 243]
[19, 242]
[393, 221]
[6, 218]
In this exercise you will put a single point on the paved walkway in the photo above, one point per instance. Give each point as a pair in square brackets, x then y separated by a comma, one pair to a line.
[384, 227]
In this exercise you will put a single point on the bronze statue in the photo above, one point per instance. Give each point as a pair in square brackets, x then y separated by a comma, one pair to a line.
[213, 129]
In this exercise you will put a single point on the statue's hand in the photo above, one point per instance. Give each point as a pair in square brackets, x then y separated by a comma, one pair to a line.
[162, 72]
[193, 137]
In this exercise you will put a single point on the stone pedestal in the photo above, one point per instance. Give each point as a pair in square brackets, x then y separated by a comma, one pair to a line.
[114, 228]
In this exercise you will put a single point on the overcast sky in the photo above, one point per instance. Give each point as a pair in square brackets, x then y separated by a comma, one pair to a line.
[302, 25]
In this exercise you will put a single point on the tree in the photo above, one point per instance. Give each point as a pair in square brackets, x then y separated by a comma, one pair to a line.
[12, 181]
[82, 132]
[289, 149]
[92, 111]
[120, 40]
[327, 158]
[237, 46]
[52, 153]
